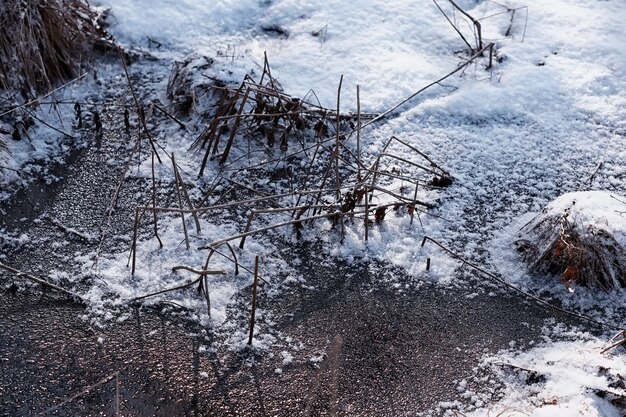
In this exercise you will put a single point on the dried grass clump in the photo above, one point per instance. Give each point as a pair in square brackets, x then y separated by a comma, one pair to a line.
[43, 42]
[188, 87]
[580, 253]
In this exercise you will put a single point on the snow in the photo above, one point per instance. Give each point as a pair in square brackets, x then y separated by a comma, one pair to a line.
[515, 138]
[556, 378]
[599, 209]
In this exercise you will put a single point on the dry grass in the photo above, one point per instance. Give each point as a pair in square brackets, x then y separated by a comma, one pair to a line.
[580, 254]
[43, 42]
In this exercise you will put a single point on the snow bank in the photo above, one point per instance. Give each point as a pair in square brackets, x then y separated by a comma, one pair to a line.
[598, 209]
[557, 378]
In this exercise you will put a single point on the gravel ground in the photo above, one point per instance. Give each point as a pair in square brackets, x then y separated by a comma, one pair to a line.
[380, 350]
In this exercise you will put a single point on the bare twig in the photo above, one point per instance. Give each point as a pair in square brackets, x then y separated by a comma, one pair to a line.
[453, 26]
[616, 344]
[267, 228]
[337, 177]
[40, 281]
[179, 181]
[451, 73]
[140, 114]
[35, 101]
[84, 391]
[198, 271]
[70, 230]
[358, 132]
[254, 289]
[538, 300]
[474, 21]
[180, 202]
[154, 201]
[171, 116]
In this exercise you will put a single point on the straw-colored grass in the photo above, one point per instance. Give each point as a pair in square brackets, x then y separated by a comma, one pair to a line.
[44, 42]
[580, 254]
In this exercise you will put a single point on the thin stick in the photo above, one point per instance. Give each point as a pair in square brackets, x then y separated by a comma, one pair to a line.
[324, 179]
[392, 175]
[457, 69]
[254, 288]
[279, 210]
[44, 96]
[538, 300]
[43, 282]
[274, 226]
[281, 159]
[453, 25]
[177, 287]
[414, 203]
[234, 128]
[308, 172]
[367, 210]
[246, 229]
[186, 194]
[204, 279]
[242, 267]
[247, 188]
[232, 252]
[590, 178]
[422, 154]
[50, 126]
[134, 244]
[390, 155]
[235, 203]
[400, 197]
[474, 21]
[614, 345]
[206, 137]
[358, 132]
[316, 109]
[140, 114]
[218, 179]
[154, 201]
[80, 393]
[198, 271]
[180, 203]
[70, 230]
[337, 178]
[171, 116]
[510, 365]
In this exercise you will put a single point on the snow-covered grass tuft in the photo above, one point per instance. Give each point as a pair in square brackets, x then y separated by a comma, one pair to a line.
[581, 237]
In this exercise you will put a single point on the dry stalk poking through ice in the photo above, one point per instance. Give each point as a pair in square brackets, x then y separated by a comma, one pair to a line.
[306, 148]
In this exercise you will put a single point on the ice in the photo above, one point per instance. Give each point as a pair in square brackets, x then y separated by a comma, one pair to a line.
[529, 131]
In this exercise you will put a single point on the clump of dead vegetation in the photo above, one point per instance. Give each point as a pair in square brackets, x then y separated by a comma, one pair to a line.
[310, 156]
[188, 87]
[43, 42]
[580, 253]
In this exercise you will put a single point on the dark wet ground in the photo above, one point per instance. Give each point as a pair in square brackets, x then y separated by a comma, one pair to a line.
[383, 352]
